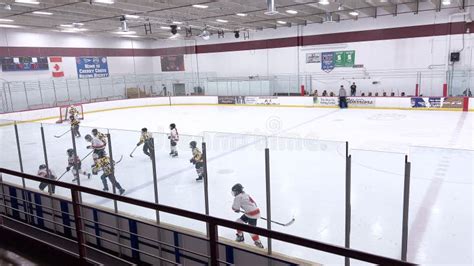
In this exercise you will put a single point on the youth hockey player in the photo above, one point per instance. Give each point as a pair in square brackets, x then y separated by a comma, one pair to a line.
[72, 110]
[75, 126]
[147, 140]
[174, 138]
[97, 145]
[101, 136]
[46, 173]
[75, 163]
[251, 212]
[197, 160]
[103, 164]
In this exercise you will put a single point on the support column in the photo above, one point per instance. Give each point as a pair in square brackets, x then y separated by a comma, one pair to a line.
[406, 206]
[347, 240]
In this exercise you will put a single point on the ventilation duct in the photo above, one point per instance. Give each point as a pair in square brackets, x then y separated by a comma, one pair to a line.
[271, 9]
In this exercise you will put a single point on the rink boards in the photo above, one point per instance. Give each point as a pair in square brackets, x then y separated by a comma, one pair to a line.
[398, 103]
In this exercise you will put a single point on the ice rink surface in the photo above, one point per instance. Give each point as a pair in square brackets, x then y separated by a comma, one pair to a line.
[307, 157]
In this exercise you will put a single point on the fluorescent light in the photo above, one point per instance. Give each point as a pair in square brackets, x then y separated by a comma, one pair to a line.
[446, 2]
[9, 26]
[125, 32]
[281, 22]
[73, 30]
[77, 24]
[222, 20]
[66, 25]
[6, 20]
[169, 28]
[200, 6]
[354, 13]
[177, 22]
[293, 12]
[132, 16]
[130, 36]
[241, 14]
[323, 2]
[42, 13]
[104, 1]
[32, 2]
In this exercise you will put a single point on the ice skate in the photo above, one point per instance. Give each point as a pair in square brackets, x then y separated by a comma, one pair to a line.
[258, 244]
[239, 237]
[199, 178]
[121, 191]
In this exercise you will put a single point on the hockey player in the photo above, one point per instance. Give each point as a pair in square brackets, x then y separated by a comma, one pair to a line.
[101, 136]
[75, 163]
[197, 160]
[75, 126]
[103, 164]
[97, 145]
[44, 172]
[73, 111]
[147, 140]
[174, 138]
[251, 212]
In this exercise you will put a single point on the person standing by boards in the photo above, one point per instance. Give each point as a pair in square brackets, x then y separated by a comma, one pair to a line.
[353, 89]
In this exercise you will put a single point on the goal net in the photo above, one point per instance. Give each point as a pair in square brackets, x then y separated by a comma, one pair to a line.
[65, 112]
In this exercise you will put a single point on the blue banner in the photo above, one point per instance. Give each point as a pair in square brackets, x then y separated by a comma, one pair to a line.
[92, 67]
[327, 61]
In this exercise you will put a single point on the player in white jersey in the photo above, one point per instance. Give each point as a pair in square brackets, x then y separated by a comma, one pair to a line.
[75, 163]
[44, 172]
[174, 138]
[251, 212]
[98, 146]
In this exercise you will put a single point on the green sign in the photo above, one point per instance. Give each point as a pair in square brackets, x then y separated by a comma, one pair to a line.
[344, 58]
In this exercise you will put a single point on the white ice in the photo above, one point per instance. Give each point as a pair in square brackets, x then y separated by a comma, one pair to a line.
[307, 176]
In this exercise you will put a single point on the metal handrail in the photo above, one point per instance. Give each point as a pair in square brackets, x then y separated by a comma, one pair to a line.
[213, 223]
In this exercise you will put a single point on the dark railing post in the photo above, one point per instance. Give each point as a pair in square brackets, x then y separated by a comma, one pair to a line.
[3, 200]
[213, 244]
[155, 190]
[76, 175]
[206, 180]
[45, 153]
[20, 159]
[112, 169]
[406, 205]
[347, 240]
[269, 206]
[81, 244]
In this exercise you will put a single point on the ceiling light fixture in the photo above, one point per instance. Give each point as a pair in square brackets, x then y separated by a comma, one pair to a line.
[125, 32]
[354, 13]
[6, 20]
[446, 2]
[109, 2]
[78, 24]
[177, 22]
[271, 9]
[66, 26]
[222, 20]
[324, 2]
[292, 12]
[132, 16]
[42, 13]
[32, 2]
[200, 6]
[9, 26]
[7, 7]
[242, 14]
[281, 22]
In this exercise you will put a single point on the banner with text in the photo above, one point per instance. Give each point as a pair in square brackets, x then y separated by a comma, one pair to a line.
[437, 102]
[92, 67]
[270, 100]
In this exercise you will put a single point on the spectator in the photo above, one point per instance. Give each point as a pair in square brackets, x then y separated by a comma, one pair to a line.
[363, 94]
[325, 93]
[384, 94]
[353, 89]
[370, 94]
[376, 94]
[403, 94]
[331, 94]
[342, 98]
[315, 93]
[467, 92]
[392, 94]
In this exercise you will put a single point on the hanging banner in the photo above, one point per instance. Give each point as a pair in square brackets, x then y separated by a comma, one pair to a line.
[327, 61]
[55, 63]
[312, 58]
[92, 67]
[170, 63]
[344, 58]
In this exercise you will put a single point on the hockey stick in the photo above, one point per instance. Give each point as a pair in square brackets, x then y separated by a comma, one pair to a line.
[62, 134]
[131, 154]
[117, 162]
[275, 222]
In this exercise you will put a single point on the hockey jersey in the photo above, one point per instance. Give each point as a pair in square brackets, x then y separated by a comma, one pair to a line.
[245, 202]
[146, 136]
[73, 111]
[46, 174]
[102, 137]
[197, 155]
[102, 164]
[74, 122]
[174, 136]
[97, 144]
[71, 161]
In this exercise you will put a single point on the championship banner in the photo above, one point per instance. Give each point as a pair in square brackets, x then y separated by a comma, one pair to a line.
[92, 67]
[312, 58]
[56, 65]
[327, 61]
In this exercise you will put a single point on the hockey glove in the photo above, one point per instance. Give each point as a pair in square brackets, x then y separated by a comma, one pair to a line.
[68, 168]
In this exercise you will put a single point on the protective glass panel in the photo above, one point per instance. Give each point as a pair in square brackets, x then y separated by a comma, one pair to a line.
[441, 202]
[9, 156]
[232, 159]
[31, 150]
[377, 180]
[307, 184]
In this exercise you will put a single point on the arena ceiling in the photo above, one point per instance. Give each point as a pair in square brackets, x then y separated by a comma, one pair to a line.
[152, 18]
